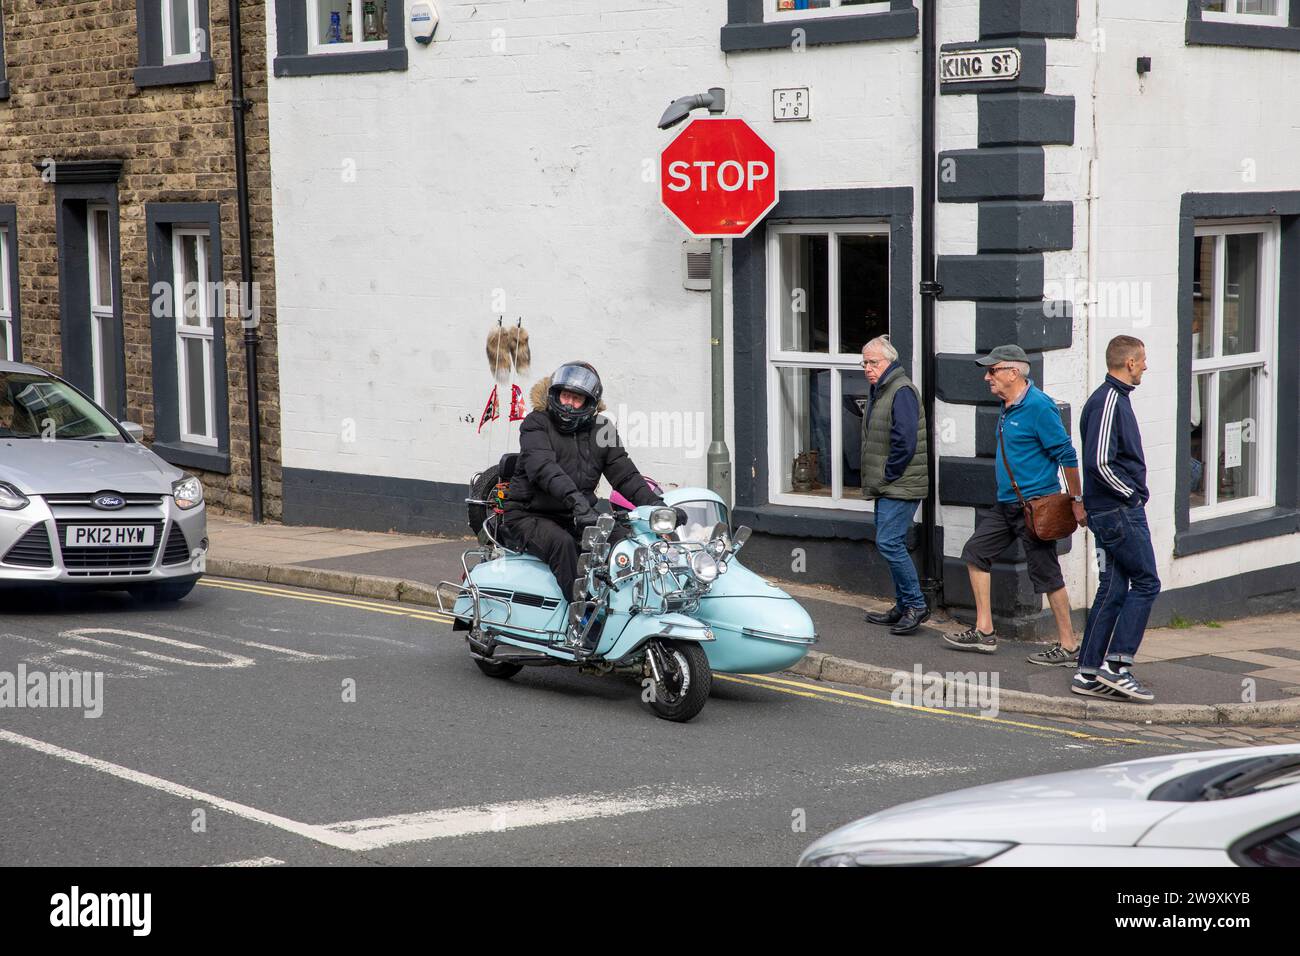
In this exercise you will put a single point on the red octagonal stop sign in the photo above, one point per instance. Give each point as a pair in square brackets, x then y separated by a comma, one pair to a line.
[718, 178]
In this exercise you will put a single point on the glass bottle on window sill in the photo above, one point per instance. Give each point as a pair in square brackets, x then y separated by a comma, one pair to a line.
[370, 20]
[347, 23]
[383, 21]
[335, 34]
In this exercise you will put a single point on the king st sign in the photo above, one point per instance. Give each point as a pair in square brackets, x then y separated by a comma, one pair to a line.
[973, 66]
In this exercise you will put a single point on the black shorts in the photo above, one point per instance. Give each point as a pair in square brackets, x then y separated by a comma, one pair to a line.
[996, 530]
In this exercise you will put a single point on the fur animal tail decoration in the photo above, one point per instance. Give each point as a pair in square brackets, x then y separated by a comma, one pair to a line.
[523, 355]
[499, 348]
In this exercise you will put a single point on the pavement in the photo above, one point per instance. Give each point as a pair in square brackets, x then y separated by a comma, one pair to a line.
[1241, 674]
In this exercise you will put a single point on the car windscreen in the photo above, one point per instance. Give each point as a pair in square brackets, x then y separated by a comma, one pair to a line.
[1236, 778]
[40, 407]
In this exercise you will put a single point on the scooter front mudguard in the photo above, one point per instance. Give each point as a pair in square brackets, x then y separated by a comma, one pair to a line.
[643, 627]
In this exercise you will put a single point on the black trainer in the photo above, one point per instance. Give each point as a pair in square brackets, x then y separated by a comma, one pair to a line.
[973, 639]
[912, 618]
[1056, 656]
[892, 616]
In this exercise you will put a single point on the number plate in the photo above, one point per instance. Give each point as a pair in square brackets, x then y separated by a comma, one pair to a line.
[108, 536]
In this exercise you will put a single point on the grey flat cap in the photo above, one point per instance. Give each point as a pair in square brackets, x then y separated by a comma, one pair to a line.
[1004, 353]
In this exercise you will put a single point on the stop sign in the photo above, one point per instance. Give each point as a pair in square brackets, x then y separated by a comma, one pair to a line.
[718, 178]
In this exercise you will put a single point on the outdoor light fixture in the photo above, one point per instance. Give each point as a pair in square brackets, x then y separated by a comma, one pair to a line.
[715, 101]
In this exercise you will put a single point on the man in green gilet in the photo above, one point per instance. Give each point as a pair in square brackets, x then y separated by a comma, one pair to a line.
[895, 475]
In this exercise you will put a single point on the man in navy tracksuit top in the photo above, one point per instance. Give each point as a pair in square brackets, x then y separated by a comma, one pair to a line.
[1115, 496]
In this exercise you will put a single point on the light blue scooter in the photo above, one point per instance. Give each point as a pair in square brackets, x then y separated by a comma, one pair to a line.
[672, 604]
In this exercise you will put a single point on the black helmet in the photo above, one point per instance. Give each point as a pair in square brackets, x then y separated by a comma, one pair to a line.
[573, 377]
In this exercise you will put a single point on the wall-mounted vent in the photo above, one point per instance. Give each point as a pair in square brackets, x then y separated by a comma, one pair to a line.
[696, 270]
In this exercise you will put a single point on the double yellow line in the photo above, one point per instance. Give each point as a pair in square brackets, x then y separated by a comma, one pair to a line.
[360, 604]
[781, 685]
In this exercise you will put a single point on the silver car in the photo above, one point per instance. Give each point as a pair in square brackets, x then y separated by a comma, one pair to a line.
[83, 502]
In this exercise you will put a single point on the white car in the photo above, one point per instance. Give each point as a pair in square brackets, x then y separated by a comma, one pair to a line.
[1237, 807]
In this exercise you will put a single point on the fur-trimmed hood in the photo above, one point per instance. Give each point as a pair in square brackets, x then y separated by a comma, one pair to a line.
[538, 395]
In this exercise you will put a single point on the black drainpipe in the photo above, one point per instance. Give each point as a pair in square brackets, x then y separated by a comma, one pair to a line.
[239, 107]
[931, 549]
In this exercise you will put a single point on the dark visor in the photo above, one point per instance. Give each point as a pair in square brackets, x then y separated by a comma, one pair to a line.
[576, 378]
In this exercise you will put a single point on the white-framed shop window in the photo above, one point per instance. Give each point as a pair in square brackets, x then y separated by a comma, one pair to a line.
[6, 300]
[103, 338]
[193, 307]
[1234, 360]
[789, 9]
[1269, 13]
[183, 39]
[341, 26]
[827, 296]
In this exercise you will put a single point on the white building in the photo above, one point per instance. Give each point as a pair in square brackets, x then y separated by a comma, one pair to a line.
[509, 169]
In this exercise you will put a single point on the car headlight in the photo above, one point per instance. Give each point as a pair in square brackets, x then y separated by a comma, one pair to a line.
[11, 499]
[904, 853]
[663, 520]
[704, 567]
[188, 493]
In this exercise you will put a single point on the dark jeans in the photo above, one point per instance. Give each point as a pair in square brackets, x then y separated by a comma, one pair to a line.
[1126, 589]
[893, 520]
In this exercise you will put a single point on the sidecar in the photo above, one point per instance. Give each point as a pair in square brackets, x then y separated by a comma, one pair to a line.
[758, 628]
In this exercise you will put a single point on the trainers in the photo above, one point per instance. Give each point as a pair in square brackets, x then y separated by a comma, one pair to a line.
[1086, 686]
[913, 618]
[1055, 656]
[890, 617]
[1125, 683]
[973, 639]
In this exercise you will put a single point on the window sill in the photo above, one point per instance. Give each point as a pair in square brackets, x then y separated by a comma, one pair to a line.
[793, 522]
[1214, 533]
[1218, 33]
[884, 25]
[175, 74]
[328, 64]
[186, 455]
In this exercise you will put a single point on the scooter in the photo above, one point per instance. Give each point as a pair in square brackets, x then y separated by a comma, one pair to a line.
[670, 602]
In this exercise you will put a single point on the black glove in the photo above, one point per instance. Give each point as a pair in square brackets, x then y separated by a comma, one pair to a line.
[583, 515]
[682, 516]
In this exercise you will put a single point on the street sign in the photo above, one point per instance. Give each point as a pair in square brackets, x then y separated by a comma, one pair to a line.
[718, 178]
[973, 66]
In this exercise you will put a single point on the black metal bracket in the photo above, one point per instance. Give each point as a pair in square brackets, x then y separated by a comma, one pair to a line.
[930, 287]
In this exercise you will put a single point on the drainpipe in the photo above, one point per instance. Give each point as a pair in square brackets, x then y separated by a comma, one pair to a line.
[239, 107]
[931, 550]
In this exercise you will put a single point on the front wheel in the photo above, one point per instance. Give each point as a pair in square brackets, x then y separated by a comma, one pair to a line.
[685, 680]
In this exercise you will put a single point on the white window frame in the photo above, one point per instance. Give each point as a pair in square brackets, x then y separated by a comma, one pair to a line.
[6, 296]
[1233, 14]
[100, 312]
[772, 15]
[1264, 358]
[203, 332]
[315, 44]
[777, 359]
[170, 57]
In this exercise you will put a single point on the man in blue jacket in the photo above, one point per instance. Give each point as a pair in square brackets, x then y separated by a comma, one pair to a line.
[1037, 446]
[1115, 496]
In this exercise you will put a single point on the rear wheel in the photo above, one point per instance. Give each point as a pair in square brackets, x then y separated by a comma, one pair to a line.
[498, 669]
[685, 681]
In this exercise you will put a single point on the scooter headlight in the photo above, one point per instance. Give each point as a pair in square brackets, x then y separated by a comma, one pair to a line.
[704, 567]
[718, 546]
[663, 520]
[11, 499]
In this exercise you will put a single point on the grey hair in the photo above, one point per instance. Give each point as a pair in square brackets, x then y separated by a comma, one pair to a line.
[1021, 367]
[882, 345]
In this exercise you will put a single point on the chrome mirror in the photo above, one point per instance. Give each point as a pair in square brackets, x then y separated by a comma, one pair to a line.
[740, 537]
[590, 536]
[605, 523]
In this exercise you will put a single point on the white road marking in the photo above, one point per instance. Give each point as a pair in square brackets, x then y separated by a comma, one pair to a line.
[275, 648]
[319, 834]
[228, 659]
[493, 818]
[255, 861]
[56, 650]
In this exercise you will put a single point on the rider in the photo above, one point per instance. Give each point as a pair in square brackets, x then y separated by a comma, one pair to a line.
[564, 448]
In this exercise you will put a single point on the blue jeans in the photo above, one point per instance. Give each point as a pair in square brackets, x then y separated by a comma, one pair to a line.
[1126, 589]
[893, 520]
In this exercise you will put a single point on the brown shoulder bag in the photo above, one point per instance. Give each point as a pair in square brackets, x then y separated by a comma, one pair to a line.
[1049, 518]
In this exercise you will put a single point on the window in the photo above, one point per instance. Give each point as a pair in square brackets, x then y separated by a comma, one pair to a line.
[8, 350]
[175, 43]
[103, 326]
[183, 41]
[193, 308]
[1259, 12]
[1234, 357]
[817, 8]
[828, 295]
[339, 36]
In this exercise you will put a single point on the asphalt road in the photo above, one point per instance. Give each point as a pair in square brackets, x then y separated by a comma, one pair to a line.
[228, 736]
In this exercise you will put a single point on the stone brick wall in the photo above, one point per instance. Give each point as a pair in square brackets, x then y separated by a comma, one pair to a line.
[73, 97]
